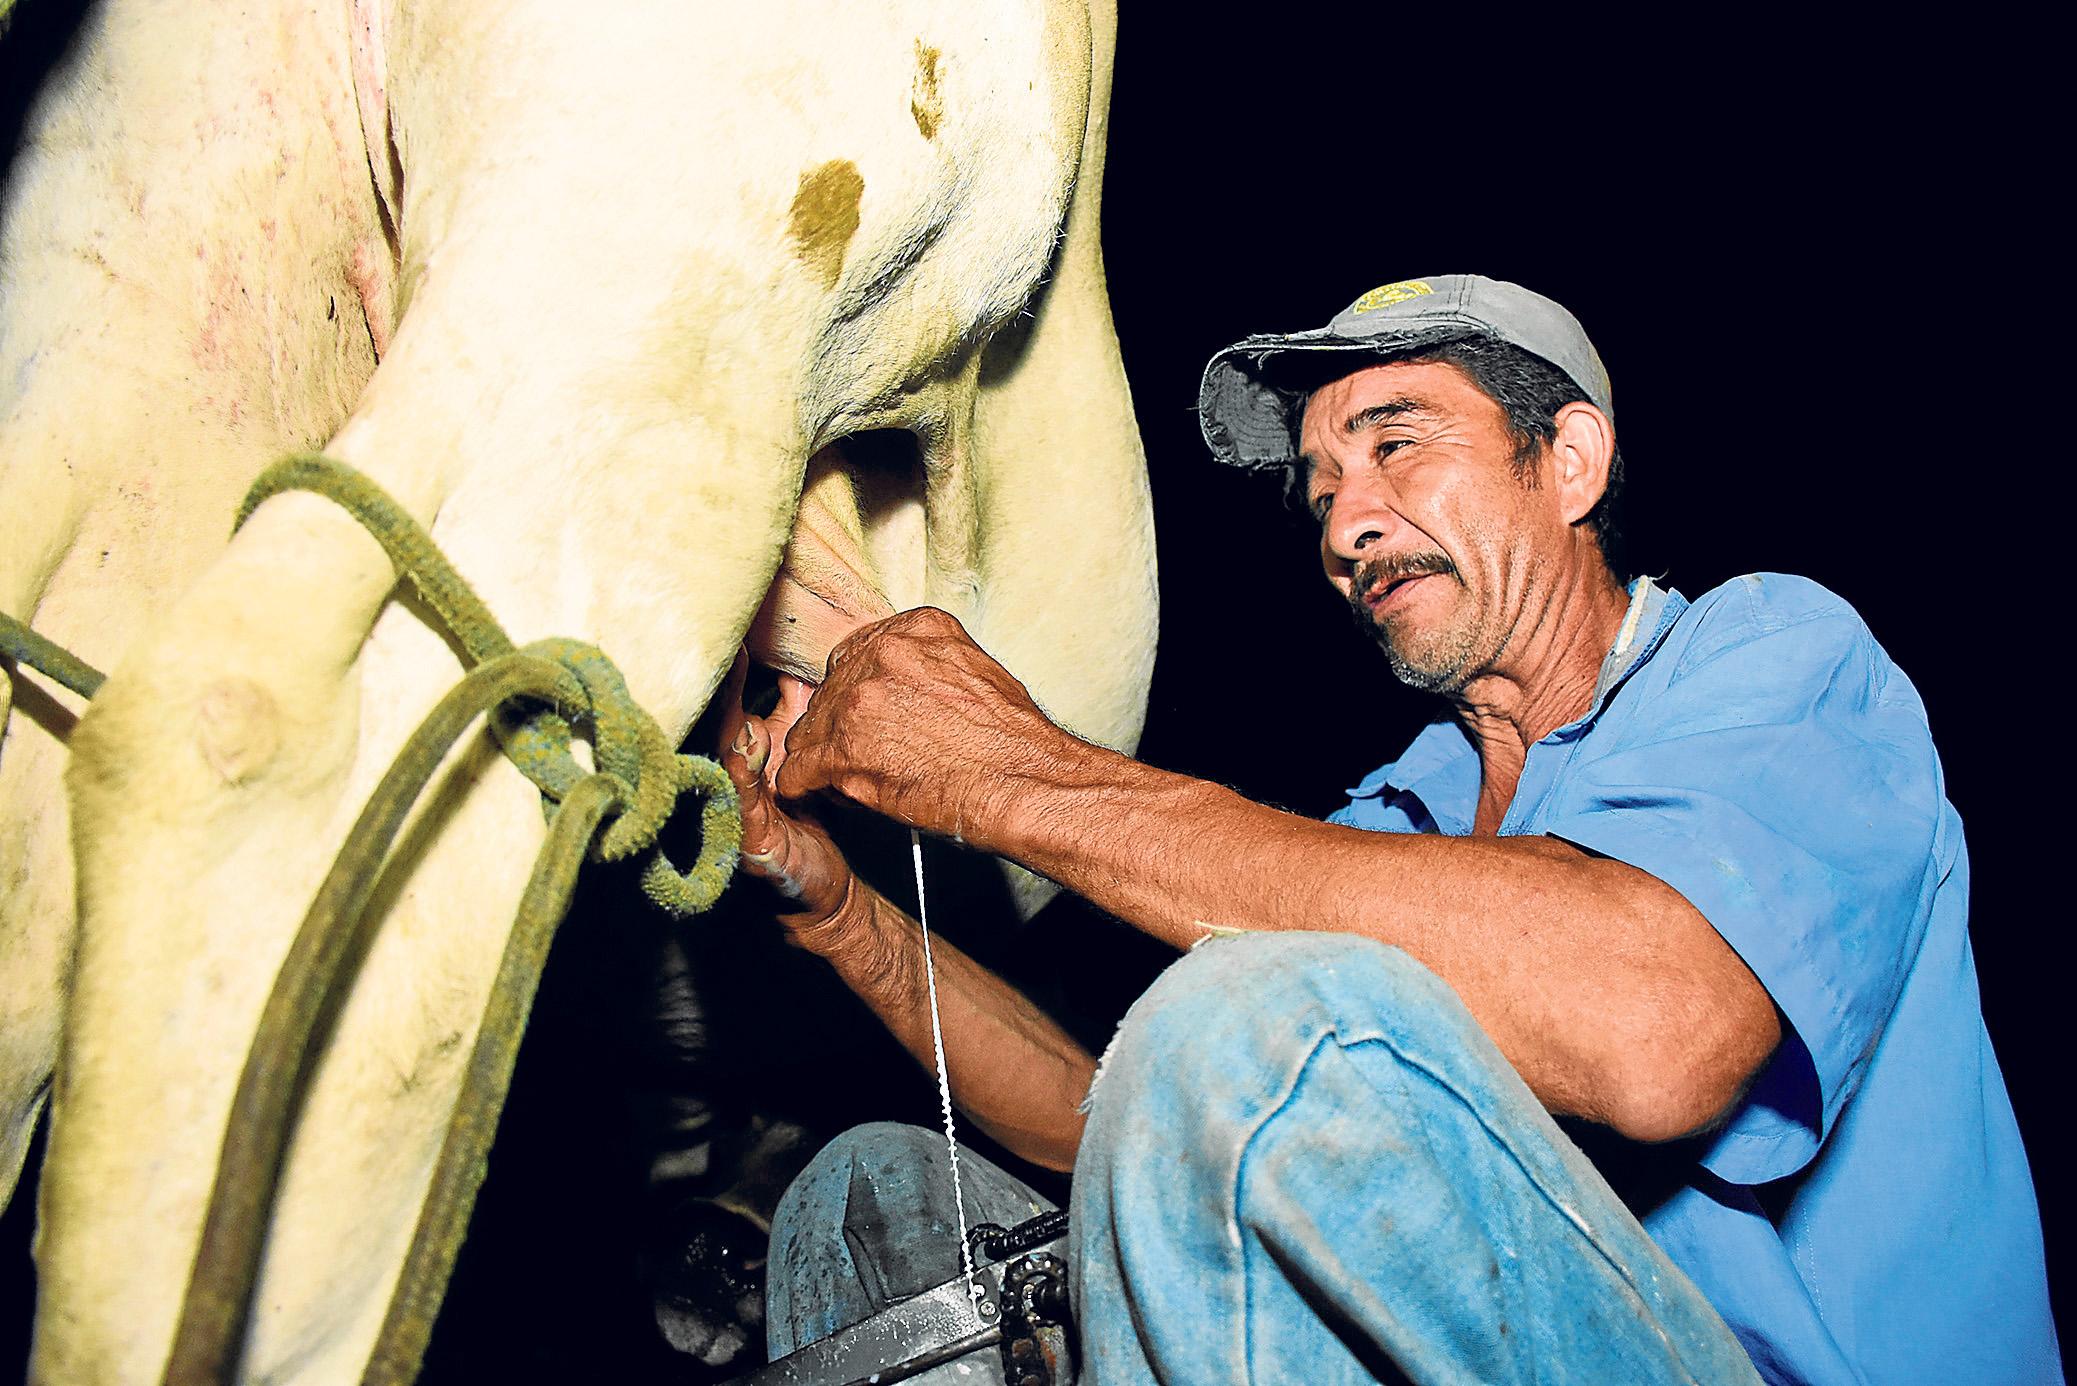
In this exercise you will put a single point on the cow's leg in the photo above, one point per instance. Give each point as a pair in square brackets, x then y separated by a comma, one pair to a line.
[1063, 556]
[185, 232]
[1041, 526]
[1035, 523]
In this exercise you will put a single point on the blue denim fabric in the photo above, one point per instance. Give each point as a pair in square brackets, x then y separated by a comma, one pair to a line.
[871, 1221]
[1305, 1163]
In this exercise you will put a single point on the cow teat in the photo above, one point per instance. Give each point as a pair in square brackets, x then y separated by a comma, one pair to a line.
[827, 585]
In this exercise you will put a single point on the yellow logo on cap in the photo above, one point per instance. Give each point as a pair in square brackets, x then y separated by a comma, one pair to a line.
[1385, 295]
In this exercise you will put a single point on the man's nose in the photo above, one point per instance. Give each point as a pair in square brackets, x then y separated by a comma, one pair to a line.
[1360, 518]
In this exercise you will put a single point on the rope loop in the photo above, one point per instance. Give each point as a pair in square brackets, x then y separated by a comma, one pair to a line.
[721, 843]
[629, 747]
[647, 778]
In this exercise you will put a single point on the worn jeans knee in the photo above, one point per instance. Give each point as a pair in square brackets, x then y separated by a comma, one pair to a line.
[872, 1220]
[1233, 1014]
[1305, 1161]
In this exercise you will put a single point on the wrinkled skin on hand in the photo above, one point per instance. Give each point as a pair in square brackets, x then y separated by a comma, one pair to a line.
[789, 850]
[918, 723]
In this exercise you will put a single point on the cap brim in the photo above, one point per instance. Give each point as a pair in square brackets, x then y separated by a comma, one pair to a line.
[1249, 401]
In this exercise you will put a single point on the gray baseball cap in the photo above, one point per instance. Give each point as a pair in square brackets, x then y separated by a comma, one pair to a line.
[1254, 391]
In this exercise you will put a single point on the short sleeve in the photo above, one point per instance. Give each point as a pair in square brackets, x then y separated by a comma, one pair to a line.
[1783, 781]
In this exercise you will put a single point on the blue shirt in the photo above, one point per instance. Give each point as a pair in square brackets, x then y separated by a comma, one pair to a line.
[1866, 1215]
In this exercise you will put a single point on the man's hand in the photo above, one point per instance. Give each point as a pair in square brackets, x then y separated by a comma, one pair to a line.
[916, 722]
[790, 851]
[1015, 1072]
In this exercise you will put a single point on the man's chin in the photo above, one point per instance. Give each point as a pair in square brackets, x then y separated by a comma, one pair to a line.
[1425, 649]
[1429, 670]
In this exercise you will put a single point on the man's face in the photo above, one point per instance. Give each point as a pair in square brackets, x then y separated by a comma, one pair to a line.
[1426, 528]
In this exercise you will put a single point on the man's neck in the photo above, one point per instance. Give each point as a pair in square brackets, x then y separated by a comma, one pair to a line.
[1546, 680]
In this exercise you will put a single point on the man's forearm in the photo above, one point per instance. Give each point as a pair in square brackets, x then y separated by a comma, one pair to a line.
[1012, 1070]
[1600, 983]
[1611, 995]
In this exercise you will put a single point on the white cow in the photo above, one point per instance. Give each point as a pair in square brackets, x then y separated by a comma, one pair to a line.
[584, 288]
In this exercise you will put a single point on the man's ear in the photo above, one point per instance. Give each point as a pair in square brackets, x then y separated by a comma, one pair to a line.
[1580, 455]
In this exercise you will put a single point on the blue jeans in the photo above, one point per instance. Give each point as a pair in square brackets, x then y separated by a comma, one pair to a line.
[870, 1221]
[1306, 1163]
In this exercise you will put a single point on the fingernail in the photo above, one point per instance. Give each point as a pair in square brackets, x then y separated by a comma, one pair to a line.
[741, 745]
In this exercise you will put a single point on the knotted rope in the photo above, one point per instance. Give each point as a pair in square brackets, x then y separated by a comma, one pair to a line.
[531, 695]
[629, 746]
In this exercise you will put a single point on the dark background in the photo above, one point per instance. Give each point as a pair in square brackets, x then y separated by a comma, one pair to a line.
[1811, 263]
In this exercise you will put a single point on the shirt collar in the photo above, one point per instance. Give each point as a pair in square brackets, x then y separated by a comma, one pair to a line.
[1440, 744]
[1443, 745]
[1653, 610]
[1647, 604]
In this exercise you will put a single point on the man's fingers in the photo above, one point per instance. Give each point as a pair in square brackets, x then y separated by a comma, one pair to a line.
[744, 759]
[841, 650]
[793, 701]
[755, 741]
[803, 772]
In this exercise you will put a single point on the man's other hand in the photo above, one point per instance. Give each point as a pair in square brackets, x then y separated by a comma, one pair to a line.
[918, 723]
[790, 851]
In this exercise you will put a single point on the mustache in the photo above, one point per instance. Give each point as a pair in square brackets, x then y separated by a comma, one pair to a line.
[1393, 567]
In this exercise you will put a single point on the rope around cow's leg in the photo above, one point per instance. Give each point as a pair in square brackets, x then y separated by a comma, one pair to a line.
[25, 646]
[214, 1316]
[411, 550]
[463, 1160]
[640, 780]
[539, 744]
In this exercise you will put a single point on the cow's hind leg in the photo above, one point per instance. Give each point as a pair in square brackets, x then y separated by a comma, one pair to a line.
[177, 259]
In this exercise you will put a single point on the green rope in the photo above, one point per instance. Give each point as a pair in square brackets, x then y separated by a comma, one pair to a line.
[24, 646]
[628, 743]
[458, 1173]
[409, 547]
[527, 694]
[277, 1068]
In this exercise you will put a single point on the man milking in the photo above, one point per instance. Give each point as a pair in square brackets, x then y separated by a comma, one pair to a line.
[1682, 871]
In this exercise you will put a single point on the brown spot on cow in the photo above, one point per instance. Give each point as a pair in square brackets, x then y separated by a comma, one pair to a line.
[926, 102]
[825, 216]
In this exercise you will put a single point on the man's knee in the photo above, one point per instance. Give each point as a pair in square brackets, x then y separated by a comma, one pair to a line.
[882, 1156]
[1268, 997]
[877, 1145]
[1245, 1048]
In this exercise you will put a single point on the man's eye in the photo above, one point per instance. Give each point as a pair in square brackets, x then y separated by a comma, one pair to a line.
[1320, 505]
[1387, 446]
